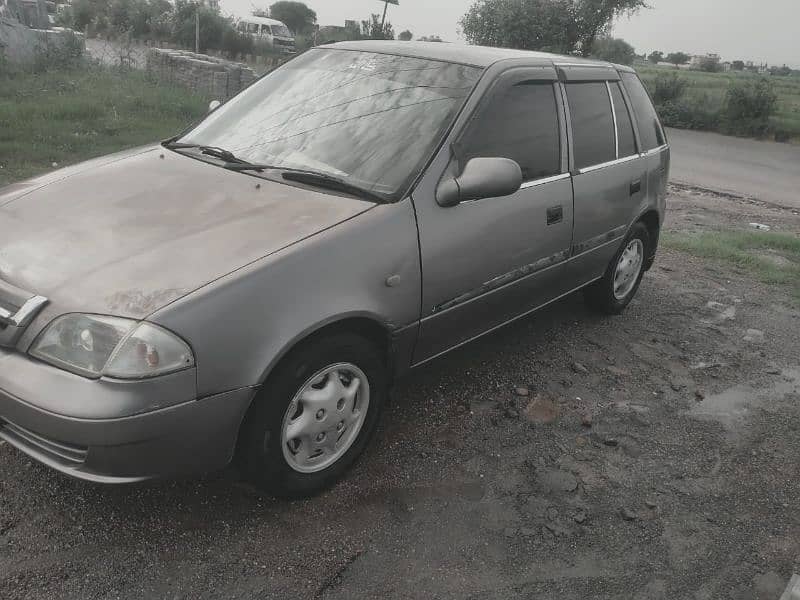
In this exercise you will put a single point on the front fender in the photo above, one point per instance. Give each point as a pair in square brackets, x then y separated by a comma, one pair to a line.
[242, 324]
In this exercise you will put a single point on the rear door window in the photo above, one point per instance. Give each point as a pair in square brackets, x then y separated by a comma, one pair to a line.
[593, 136]
[649, 128]
[627, 143]
[519, 122]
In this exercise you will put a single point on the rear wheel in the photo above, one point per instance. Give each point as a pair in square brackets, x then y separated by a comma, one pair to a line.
[619, 284]
[314, 416]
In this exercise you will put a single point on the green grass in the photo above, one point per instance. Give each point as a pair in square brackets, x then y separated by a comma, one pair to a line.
[714, 85]
[68, 116]
[774, 258]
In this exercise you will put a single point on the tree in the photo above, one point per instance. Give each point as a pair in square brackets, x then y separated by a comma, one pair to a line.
[677, 58]
[782, 71]
[656, 57]
[295, 15]
[405, 36]
[371, 29]
[430, 38]
[555, 25]
[709, 65]
[614, 50]
[737, 65]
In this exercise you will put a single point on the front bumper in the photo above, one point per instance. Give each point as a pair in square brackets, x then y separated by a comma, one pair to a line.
[112, 431]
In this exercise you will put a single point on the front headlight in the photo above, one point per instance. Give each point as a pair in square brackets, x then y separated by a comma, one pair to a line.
[96, 345]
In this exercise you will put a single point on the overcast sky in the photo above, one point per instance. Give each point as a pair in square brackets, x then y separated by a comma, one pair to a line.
[763, 30]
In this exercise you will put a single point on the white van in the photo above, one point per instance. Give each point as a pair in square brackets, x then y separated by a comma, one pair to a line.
[269, 31]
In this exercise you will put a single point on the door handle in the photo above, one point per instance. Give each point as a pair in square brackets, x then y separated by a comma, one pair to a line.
[555, 214]
[636, 187]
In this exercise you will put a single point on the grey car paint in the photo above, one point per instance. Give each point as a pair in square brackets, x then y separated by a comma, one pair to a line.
[243, 269]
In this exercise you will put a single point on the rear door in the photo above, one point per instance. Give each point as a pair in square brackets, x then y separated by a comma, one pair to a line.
[487, 261]
[608, 174]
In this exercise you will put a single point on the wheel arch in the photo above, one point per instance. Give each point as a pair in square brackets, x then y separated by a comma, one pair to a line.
[652, 221]
[366, 325]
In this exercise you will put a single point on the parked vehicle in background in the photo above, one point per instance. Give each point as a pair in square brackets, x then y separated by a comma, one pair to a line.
[251, 287]
[270, 32]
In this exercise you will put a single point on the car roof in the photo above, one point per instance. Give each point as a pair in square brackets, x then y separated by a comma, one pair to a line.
[261, 20]
[478, 56]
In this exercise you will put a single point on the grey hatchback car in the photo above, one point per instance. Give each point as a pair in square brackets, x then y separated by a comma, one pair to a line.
[249, 289]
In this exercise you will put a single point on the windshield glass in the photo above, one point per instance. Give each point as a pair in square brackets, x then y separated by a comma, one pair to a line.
[371, 119]
[281, 30]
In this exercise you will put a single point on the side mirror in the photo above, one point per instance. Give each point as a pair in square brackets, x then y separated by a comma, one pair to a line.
[213, 105]
[481, 178]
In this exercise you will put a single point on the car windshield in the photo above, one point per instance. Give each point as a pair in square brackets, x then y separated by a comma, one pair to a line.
[281, 30]
[369, 119]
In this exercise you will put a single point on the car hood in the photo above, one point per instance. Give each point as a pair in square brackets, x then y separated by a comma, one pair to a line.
[128, 233]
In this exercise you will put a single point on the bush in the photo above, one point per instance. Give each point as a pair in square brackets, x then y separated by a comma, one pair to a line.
[668, 87]
[236, 44]
[748, 107]
[696, 112]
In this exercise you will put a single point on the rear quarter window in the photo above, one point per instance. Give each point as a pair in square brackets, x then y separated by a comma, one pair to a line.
[650, 131]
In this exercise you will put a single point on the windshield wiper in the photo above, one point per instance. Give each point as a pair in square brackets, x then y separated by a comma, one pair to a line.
[330, 182]
[214, 151]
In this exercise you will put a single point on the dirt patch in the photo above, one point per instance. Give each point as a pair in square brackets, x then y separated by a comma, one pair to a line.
[682, 484]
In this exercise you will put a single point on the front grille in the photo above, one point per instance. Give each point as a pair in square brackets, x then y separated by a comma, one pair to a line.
[36, 443]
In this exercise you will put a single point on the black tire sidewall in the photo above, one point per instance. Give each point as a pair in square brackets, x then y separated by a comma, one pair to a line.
[260, 448]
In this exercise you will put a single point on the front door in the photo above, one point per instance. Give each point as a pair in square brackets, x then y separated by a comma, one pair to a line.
[487, 261]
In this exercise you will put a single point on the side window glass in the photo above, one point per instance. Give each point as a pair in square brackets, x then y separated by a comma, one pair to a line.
[592, 123]
[627, 143]
[646, 117]
[519, 122]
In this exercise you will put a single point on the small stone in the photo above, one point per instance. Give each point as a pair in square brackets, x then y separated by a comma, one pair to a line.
[579, 517]
[699, 396]
[768, 586]
[579, 368]
[754, 335]
[510, 532]
[580, 441]
[675, 387]
[527, 532]
[611, 442]
[650, 504]
[541, 411]
[558, 481]
[586, 419]
[54, 165]
[628, 514]
[618, 371]
[511, 414]
[522, 391]
[773, 371]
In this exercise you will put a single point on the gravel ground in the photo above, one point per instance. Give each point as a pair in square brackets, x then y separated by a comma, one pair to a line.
[648, 456]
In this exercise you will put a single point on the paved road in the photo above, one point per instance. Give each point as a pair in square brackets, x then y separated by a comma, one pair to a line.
[765, 170]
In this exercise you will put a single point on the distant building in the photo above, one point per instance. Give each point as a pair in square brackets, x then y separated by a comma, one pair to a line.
[698, 60]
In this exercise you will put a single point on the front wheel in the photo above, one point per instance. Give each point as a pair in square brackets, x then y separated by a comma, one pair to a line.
[619, 284]
[314, 416]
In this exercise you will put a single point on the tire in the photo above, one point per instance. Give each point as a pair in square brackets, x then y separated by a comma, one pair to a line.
[606, 296]
[272, 459]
